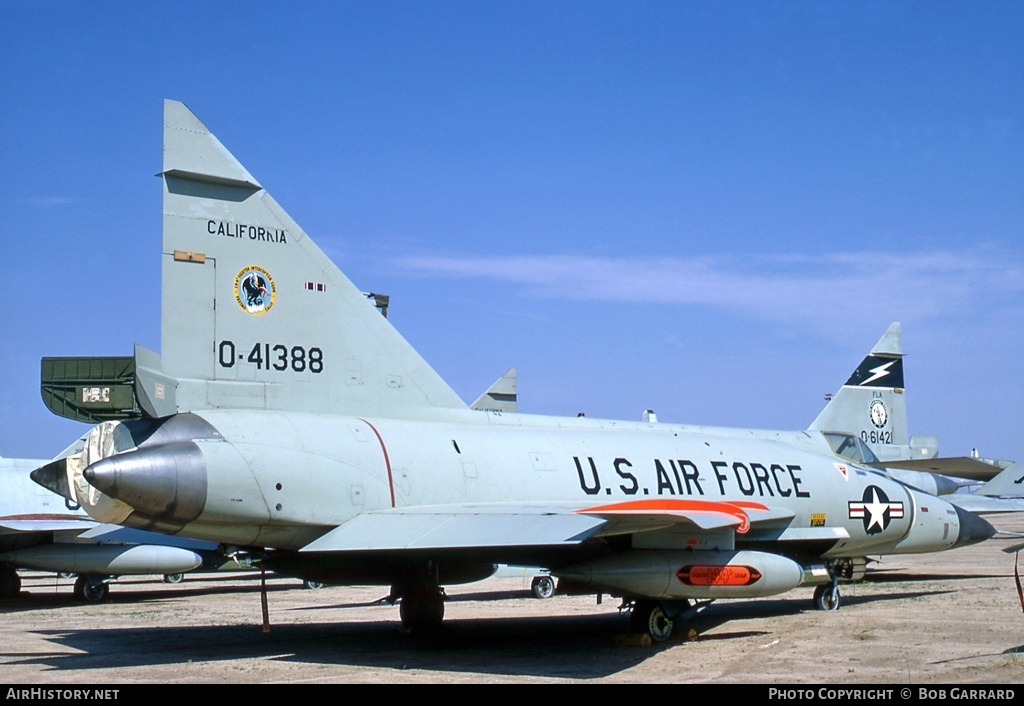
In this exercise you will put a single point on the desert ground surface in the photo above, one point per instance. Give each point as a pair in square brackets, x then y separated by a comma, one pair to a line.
[952, 618]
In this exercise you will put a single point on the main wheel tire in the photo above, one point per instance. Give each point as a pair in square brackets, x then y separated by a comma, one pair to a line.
[90, 590]
[313, 584]
[543, 586]
[652, 619]
[422, 610]
[10, 582]
[174, 578]
[827, 597]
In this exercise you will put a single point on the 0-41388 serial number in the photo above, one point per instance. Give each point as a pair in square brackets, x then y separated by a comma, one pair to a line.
[266, 356]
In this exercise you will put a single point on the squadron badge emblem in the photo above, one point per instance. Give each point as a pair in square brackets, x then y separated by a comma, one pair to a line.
[878, 413]
[254, 290]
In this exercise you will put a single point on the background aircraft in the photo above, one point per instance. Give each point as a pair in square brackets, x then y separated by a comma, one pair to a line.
[40, 530]
[866, 422]
[283, 411]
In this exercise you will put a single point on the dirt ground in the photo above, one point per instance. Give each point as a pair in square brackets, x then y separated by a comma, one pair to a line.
[951, 618]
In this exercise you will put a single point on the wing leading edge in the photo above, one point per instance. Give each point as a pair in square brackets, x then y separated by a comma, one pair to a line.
[535, 525]
[35, 523]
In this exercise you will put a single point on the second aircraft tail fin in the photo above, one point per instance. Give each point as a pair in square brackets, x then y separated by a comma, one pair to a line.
[871, 404]
[499, 397]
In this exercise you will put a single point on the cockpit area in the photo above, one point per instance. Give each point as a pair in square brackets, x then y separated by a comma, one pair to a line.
[850, 447]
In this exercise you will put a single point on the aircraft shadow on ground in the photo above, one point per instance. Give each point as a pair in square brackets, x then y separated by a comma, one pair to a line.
[900, 576]
[1009, 651]
[723, 612]
[585, 646]
[486, 596]
[38, 594]
[516, 646]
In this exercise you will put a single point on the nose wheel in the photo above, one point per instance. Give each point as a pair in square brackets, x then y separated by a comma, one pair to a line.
[826, 597]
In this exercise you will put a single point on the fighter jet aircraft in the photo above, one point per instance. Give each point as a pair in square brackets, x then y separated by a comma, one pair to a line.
[866, 422]
[285, 413]
[39, 530]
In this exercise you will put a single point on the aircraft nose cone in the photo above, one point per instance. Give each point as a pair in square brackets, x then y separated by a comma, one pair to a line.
[54, 476]
[973, 529]
[164, 482]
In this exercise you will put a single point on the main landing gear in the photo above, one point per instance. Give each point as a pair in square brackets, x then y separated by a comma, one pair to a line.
[659, 619]
[650, 617]
[10, 582]
[91, 589]
[422, 608]
[542, 586]
[421, 599]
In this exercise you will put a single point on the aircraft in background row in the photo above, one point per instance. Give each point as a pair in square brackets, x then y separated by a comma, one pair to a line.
[42, 531]
[866, 422]
[284, 415]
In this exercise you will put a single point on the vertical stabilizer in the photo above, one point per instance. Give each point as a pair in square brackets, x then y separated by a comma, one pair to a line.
[255, 316]
[1008, 484]
[499, 397]
[871, 404]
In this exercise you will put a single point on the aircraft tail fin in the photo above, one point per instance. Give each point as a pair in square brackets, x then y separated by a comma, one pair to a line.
[499, 397]
[1009, 483]
[871, 404]
[255, 315]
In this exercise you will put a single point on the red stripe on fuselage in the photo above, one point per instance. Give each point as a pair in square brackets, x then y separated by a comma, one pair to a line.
[387, 460]
[37, 517]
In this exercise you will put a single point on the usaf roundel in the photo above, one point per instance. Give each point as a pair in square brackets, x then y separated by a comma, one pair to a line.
[875, 509]
[254, 290]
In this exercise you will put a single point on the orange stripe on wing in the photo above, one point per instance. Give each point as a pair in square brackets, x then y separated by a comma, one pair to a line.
[748, 504]
[677, 506]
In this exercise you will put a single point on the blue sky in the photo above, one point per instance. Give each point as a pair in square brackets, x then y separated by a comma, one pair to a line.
[712, 209]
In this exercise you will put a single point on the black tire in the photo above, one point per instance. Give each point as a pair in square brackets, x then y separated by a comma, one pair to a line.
[651, 618]
[10, 582]
[543, 587]
[174, 578]
[422, 610]
[314, 585]
[90, 590]
[826, 597]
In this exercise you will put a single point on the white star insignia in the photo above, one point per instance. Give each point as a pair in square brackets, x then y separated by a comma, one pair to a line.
[877, 511]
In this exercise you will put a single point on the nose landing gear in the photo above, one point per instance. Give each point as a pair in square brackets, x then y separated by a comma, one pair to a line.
[827, 597]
